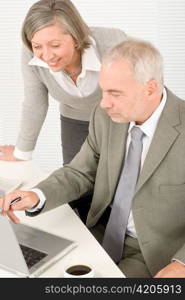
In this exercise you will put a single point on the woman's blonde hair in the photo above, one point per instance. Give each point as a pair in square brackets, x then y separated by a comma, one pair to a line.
[50, 12]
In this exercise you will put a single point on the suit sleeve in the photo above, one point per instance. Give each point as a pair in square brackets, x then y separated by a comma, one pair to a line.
[74, 179]
[35, 105]
[180, 255]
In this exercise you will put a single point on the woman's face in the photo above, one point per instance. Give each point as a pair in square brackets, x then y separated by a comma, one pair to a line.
[55, 48]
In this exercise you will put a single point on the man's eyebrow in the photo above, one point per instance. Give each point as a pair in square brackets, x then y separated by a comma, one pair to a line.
[114, 91]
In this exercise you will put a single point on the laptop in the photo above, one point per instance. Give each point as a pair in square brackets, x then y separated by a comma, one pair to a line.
[27, 251]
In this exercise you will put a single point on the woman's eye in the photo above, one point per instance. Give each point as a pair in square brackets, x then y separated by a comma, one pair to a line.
[36, 47]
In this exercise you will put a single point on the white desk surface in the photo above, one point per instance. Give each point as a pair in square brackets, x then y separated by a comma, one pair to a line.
[64, 222]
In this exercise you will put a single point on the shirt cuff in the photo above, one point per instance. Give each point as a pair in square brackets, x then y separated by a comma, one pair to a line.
[42, 201]
[22, 155]
[174, 259]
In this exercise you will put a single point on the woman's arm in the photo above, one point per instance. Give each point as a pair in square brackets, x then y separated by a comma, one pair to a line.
[34, 107]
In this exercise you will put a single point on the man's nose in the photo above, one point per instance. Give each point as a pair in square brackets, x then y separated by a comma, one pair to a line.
[105, 102]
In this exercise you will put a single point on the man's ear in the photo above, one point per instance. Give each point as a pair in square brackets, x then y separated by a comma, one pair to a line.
[152, 87]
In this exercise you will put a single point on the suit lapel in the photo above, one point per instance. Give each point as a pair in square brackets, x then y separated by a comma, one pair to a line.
[116, 152]
[164, 137]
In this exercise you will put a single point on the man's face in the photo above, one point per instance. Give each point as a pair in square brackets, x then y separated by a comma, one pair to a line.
[124, 98]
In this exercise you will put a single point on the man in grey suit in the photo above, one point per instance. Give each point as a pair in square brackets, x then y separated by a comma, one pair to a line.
[131, 79]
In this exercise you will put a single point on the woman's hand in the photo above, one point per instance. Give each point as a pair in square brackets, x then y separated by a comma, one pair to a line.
[6, 153]
[27, 201]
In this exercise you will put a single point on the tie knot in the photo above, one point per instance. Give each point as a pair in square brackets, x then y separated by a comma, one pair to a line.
[136, 133]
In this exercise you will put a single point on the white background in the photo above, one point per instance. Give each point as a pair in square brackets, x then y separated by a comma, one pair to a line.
[159, 21]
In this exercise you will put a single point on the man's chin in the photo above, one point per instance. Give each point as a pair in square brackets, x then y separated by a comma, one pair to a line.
[117, 120]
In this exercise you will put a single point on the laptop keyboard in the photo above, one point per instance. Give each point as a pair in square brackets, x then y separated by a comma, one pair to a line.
[31, 256]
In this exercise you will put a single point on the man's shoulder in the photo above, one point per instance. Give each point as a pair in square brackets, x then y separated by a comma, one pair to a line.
[175, 100]
[173, 96]
[101, 119]
[174, 109]
[100, 114]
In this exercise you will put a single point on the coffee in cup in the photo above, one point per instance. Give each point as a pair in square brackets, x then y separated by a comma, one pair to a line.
[80, 270]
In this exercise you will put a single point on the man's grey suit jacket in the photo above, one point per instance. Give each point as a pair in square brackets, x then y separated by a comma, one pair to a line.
[159, 202]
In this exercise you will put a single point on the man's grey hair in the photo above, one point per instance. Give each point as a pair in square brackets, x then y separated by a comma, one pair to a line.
[146, 61]
[50, 12]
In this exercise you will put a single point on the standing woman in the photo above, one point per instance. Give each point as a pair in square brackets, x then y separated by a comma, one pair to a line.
[61, 57]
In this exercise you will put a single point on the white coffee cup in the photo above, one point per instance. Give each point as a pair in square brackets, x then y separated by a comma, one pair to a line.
[78, 271]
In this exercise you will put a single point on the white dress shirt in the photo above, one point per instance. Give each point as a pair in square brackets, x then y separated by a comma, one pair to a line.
[148, 127]
[86, 82]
